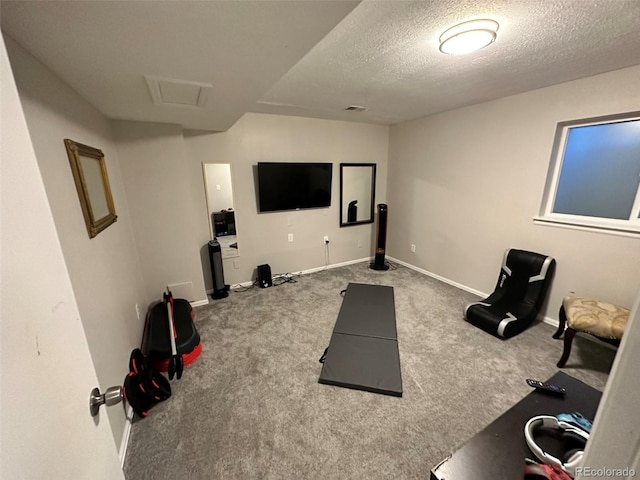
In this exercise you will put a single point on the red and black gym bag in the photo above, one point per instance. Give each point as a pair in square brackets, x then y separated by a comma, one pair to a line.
[143, 386]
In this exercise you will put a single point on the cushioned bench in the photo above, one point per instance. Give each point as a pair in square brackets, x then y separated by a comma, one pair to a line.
[603, 320]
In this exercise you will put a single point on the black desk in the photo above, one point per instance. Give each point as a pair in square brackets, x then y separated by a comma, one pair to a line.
[499, 450]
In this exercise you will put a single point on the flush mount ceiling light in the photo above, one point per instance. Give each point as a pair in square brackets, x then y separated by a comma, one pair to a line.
[468, 36]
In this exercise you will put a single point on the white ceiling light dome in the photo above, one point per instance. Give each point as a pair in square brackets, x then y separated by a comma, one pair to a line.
[468, 36]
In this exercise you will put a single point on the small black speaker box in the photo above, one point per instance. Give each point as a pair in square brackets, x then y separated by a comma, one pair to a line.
[264, 276]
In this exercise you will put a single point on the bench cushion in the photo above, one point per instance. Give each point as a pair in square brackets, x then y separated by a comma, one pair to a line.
[595, 317]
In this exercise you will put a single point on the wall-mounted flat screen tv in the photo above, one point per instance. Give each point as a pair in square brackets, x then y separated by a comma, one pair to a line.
[293, 186]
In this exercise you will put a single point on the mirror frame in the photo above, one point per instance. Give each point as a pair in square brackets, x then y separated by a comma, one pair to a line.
[206, 180]
[372, 166]
[76, 150]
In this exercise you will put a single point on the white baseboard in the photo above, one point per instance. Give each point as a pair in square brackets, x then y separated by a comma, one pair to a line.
[124, 443]
[302, 272]
[333, 265]
[199, 303]
[548, 320]
[442, 279]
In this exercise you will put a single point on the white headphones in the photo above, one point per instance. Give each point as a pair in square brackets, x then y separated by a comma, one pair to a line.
[573, 458]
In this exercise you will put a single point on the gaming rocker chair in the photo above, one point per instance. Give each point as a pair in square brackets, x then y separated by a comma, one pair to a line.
[521, 289]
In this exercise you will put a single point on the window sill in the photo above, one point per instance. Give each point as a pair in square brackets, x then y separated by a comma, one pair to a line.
[623, 231]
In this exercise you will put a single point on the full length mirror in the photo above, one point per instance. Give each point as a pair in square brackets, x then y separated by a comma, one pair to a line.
[220, 207]
[357, 193]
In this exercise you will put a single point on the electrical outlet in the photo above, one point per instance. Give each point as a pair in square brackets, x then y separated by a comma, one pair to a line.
[359, 243]
[138, 311]
[326, 239]
[413, 248]
[236, 264]
[290, 238]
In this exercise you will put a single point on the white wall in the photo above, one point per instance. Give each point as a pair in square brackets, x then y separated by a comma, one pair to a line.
[47, 373]
[262, 238]
[162, 173]
[166, 200]
[464, 186]
[105, 271]
[218, 187]
[614, 442]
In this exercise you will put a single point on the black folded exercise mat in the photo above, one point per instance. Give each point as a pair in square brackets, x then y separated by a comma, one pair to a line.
[363, 351]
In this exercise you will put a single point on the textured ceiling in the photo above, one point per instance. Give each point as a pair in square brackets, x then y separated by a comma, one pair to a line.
[385, 56]
[314, 58]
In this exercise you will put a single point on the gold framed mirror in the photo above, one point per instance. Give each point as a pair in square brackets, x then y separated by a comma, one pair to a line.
[92, 183]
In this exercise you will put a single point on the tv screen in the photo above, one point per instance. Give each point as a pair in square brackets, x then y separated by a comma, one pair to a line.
[293, 186]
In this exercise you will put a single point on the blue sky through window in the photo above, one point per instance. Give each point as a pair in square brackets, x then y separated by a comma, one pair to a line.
[600, 171]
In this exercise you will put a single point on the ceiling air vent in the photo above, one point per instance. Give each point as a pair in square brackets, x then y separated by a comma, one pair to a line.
[183, 93]
[356, 108]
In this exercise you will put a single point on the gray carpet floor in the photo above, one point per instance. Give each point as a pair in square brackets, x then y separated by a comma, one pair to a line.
[251, 406]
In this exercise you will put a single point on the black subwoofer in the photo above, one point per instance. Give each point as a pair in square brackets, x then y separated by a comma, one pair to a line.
[264, 276]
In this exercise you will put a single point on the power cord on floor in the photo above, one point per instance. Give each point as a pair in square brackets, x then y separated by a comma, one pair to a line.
[277, 280]
[284, 278]
[239, 288]
[327, 257]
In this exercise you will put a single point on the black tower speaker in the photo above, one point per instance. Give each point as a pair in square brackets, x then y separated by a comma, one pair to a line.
[352, 211]
[264, 276]
[220, 290]
[378, 263]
